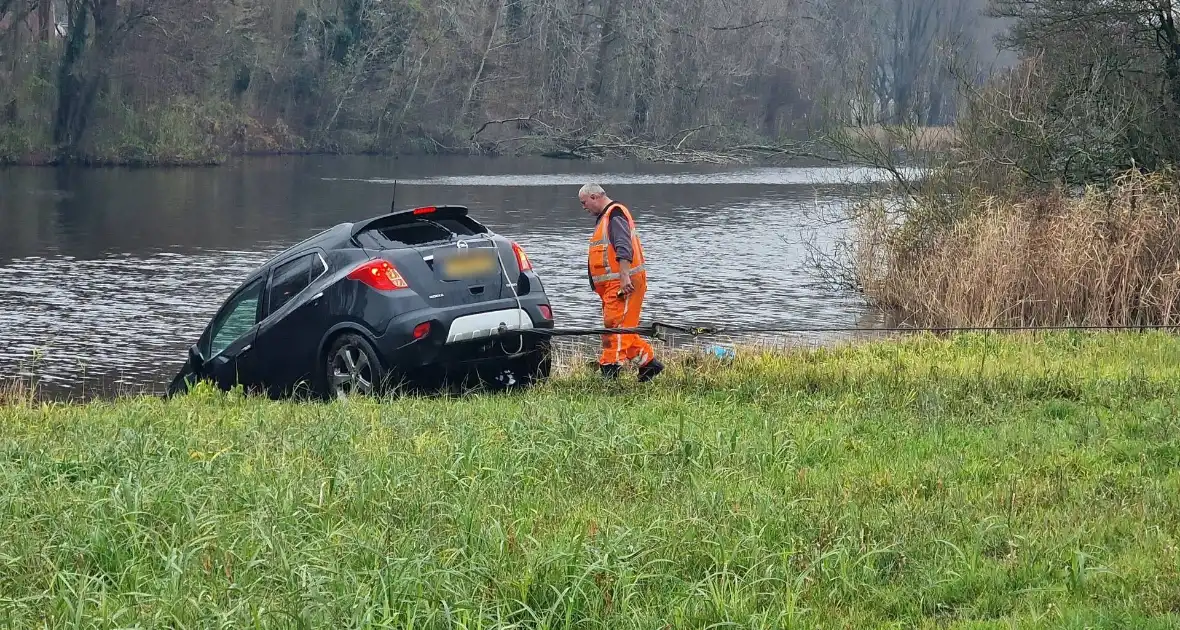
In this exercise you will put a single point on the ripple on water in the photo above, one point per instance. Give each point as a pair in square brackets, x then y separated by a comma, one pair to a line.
[61, 317]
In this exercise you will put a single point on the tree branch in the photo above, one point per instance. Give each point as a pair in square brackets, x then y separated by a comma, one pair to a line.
[743, 26]
[500, 122]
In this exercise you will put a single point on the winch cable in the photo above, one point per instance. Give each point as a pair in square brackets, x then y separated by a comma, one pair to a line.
[511, 285]
[658, 329]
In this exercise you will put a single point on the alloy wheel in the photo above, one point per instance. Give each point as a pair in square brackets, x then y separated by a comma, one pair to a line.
[352, 373]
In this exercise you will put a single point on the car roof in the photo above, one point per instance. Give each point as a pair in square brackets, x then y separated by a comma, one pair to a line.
[331, 238]
[341, 235]
[427, 211]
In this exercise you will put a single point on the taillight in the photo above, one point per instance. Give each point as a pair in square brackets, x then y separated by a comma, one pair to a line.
[522, 259]
[421, 330]
[379, 274]
[546, 312]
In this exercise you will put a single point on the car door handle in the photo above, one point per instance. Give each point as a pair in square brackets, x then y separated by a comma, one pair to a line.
[245, 348]
[317, 296]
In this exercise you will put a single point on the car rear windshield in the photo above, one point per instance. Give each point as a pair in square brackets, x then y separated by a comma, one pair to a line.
[414, 231]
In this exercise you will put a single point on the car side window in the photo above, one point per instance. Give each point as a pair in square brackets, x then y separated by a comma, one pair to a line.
[236, 319]
[292, 277]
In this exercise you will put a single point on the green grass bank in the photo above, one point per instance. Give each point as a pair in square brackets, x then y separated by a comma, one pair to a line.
[971, 482]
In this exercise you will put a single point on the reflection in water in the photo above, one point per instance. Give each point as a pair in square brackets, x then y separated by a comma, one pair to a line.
[112, 273]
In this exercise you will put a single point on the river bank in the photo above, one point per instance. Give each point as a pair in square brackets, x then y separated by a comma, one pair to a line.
[929, 482]
[185, 138]
[208, 134]
[650, 152]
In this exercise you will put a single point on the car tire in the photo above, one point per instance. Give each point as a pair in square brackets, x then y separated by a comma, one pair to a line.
[351, 366]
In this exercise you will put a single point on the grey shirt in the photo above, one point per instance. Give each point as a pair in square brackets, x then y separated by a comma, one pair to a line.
[619, 233]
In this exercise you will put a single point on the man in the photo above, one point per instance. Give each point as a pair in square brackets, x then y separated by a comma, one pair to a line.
[617, 274]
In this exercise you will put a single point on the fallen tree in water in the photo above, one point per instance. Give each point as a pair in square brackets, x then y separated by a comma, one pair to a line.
[663, 152]
[683, 147]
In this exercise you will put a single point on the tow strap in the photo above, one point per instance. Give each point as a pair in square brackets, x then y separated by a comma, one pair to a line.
[656, 330]
[660, 330]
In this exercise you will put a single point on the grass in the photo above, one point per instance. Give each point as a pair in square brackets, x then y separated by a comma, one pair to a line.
[1102, 258]
[969, 482]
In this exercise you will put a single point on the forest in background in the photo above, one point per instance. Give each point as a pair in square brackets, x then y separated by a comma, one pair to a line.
[1044, 132]
[177, 81]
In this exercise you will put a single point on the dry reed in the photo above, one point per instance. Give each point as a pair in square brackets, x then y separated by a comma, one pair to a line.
[1107, 257]
[16, 391]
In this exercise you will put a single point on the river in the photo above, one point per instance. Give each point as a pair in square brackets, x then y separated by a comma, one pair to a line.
[107, 275]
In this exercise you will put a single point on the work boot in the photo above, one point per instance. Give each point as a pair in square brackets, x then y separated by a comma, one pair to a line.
[649, 370]
[610, 370]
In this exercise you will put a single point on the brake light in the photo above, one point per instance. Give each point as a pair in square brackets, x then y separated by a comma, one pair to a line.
[546, 312]
[522, 259]
[424, 210]
[379, 274]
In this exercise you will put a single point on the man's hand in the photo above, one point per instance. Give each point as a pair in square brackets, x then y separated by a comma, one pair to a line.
[625, 286]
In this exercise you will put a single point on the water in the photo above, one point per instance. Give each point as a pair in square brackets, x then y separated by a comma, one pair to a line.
[107, 275]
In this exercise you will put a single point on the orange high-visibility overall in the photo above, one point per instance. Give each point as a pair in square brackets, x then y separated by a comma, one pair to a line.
[618, 311]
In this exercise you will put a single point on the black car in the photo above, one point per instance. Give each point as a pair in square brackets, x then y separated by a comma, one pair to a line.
[362, 305]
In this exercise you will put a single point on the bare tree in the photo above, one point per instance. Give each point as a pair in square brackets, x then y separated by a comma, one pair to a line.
[683, 80]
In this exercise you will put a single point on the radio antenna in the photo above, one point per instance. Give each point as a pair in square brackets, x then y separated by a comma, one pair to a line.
[393, 199]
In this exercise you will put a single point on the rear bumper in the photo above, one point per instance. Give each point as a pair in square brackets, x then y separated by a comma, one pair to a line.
[464, 335]
[476, 326]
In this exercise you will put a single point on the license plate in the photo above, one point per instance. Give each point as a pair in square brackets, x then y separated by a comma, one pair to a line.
[468, 265]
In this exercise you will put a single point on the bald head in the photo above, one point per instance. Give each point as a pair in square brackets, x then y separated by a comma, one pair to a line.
[593, 198]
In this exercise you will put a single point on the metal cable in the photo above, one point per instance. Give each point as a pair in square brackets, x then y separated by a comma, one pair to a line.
[658, 329]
